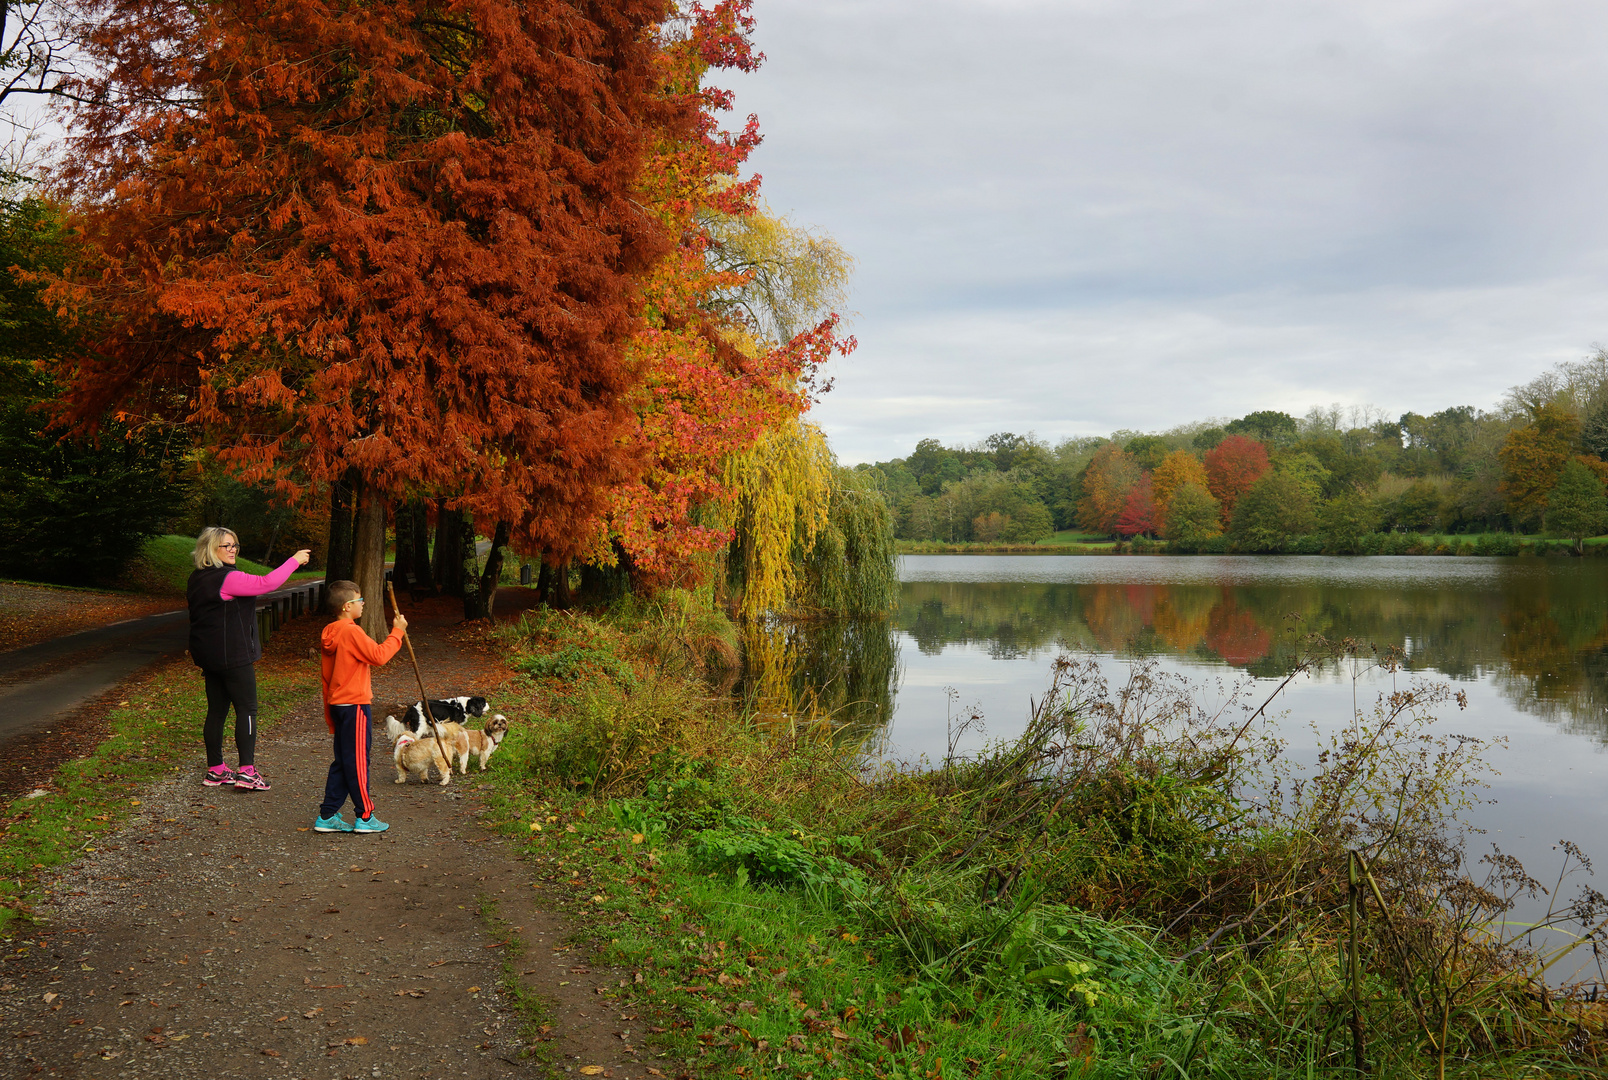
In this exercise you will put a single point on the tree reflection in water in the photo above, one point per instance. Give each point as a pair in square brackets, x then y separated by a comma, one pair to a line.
[838, 676]
[1537, 628]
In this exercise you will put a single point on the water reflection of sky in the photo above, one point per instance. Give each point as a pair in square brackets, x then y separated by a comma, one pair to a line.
[1526, 639]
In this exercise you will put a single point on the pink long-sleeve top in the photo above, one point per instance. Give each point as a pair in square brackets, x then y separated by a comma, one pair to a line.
[241, 584]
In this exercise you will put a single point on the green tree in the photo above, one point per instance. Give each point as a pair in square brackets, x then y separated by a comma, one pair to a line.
[1274, 512]
[1148, 450]
[71, 510]
[1578, 506]
[1345, 519]
[1191, 517]
[1267, 426]
[1306, 470]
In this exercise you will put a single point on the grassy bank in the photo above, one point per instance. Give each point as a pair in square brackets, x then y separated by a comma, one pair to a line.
[165, 563]
[1094, 899]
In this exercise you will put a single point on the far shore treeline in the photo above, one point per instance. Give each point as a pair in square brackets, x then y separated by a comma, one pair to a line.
[1340, 481]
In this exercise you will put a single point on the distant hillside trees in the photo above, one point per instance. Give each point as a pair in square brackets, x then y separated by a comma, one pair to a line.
[1269, 481]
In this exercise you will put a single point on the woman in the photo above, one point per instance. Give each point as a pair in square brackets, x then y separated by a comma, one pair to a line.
[224, 645]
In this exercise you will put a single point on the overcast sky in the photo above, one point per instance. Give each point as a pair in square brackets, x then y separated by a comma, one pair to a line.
[1072, 217]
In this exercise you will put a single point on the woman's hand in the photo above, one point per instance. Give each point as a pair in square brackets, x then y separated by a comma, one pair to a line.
[303, 556]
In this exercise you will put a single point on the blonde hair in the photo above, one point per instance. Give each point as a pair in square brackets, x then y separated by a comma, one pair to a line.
[207, 543]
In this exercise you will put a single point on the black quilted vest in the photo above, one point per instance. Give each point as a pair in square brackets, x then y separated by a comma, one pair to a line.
[223, 633]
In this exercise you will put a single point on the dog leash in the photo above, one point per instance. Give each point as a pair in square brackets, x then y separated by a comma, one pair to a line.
[426, 713]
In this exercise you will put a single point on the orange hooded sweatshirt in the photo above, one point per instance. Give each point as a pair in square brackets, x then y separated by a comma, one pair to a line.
[347, 653]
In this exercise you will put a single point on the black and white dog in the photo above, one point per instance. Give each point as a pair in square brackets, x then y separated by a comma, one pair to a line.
[442, 711]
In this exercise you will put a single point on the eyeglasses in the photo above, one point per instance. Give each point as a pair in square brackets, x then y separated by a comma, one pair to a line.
[228, 547]
[355, 600]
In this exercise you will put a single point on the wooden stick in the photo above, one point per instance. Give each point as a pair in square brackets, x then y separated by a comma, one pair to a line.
[425, 712]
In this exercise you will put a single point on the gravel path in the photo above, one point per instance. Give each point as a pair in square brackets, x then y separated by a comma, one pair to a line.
[216, 935]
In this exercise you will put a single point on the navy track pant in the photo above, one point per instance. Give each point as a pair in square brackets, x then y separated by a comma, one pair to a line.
[348, 773]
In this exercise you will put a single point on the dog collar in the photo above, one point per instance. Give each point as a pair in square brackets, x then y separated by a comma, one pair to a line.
[404, 741]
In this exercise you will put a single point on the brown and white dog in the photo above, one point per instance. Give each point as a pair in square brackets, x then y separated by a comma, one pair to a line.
[461, 741]
[416, 753]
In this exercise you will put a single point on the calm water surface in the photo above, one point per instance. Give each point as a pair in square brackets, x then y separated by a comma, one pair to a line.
[1526, 639]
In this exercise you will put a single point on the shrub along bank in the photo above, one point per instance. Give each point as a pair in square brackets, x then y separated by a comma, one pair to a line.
[1133, 888]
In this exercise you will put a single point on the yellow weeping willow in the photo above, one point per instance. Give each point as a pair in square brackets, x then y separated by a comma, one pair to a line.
[781, 491]
[791, 275]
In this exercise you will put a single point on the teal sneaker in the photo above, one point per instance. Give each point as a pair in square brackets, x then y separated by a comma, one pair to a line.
[370, 824]
[332, 824]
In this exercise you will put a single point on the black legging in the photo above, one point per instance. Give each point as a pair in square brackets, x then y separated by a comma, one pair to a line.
[237, 687]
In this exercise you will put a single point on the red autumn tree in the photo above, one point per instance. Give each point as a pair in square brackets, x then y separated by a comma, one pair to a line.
[711, 383]
[1139, 516]
[393, 237]
[1232, 466]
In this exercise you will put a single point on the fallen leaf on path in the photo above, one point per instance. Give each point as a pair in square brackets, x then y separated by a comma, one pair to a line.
[280, 1019]
[270, 1053]
[311, 1013]
[412, 993]
[474, 989]
[591, 1070]
[50, 997]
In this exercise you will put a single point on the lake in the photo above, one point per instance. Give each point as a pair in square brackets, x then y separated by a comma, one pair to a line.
[1525, 638]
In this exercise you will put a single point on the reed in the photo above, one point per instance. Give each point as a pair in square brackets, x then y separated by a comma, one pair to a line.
[1137, 885]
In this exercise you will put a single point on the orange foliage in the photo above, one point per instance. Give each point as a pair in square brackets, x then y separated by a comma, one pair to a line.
[1532, 457]
[1177, 468]
[1232, 466]
[1111, 473]
[391, 236]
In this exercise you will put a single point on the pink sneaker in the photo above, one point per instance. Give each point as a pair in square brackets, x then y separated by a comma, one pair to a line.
[249, 779]
[219, 776]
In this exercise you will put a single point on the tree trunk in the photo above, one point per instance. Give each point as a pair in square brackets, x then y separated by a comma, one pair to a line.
[561, 588]
[545, 582]
[449, 553]
[493, 571]
[402, 569]
[469, 567]
[273, 538]
[368, 559]
[420, 524]
[605, 584]
[338, 560]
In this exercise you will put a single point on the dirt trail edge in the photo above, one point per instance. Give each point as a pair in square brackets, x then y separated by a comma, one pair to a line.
[215, 934]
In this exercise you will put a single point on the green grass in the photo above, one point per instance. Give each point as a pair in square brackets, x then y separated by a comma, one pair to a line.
[1073, 536]
[165, 564]
[156, 732]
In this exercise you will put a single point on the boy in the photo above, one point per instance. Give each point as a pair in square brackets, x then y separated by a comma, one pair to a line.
[347, 654]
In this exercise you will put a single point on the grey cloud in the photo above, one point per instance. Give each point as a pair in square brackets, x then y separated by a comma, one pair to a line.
[1210, 203]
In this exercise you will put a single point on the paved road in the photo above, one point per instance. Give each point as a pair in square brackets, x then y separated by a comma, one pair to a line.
[87, 665]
